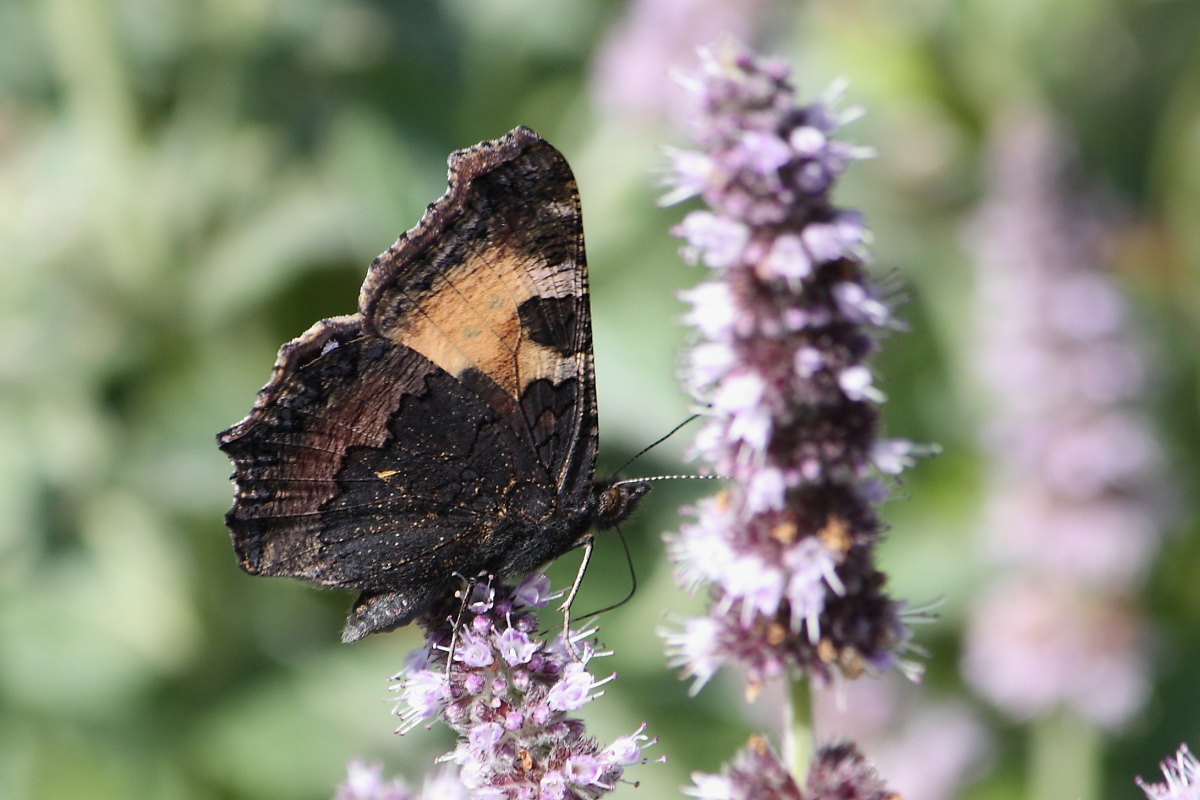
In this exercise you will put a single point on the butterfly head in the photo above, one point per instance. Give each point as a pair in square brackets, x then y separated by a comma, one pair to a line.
[613, 501]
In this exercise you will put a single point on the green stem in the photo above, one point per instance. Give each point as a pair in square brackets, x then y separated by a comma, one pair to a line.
[1064, 759]
[799, 738]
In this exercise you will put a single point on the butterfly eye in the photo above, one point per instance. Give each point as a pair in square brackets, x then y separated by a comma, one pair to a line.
[615, 502]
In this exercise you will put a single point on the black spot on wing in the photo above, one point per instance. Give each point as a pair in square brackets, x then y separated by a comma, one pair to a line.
[552, 322]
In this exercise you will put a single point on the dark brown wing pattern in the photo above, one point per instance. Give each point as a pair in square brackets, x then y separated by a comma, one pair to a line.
[449, 427]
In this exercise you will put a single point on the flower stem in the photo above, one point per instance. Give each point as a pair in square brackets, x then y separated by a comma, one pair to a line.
[799, 737]
[1064, 758]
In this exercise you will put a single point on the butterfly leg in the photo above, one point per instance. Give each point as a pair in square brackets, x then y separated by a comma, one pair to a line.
[565, 608]
[467, 591]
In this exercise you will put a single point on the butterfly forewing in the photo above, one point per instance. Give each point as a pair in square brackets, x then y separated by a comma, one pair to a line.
[494, 281]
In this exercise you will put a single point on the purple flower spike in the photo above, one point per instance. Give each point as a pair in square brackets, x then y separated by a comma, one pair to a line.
[507, 695]
[1077, 476]
[841, 773]
[756, 773]
[786, 327]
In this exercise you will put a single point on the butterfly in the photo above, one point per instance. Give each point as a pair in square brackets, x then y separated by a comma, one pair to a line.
[448, 428]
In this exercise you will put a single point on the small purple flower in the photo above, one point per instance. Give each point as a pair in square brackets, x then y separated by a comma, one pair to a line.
[474, 652]
[691, 172]
[423, 694]
[787, 257]
[572, 690]
[813, 574]
[507, 696]
[483, 737]
[584, 770]
[712, 309]
[552, 786]
[625, 750]
[787, 324]
[717, 241]
[516, 647]
[534, 591]
[1182, 775]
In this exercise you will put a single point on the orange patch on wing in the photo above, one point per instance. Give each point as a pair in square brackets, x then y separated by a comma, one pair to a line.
[471, 319]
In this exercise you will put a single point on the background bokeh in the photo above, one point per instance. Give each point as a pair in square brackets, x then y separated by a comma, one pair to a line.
[185, 185]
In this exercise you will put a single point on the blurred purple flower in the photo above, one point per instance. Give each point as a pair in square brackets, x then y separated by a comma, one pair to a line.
[631, 76]
[928, 747]
[1182, 775]
[756, 773]
[787, 326]
[365, 782]
[507, 693]
[840, 772]
[1069, 507]
[1036, 643]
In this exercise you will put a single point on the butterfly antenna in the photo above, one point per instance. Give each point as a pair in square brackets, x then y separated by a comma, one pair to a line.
[672, 478]
[654, 444]
[632, 581]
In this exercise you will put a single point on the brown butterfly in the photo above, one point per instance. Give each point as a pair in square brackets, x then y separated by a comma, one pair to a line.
[449, 427]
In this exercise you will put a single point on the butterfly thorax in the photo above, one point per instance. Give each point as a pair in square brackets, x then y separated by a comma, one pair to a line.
[520, 544]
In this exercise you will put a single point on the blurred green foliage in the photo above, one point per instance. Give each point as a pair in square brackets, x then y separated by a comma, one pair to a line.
[186, 185]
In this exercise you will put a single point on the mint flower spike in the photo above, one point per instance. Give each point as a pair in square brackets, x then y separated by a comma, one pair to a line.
[757, 773]
[786, 325]
[508, 694]
[1073, 509]
[1182, 775]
